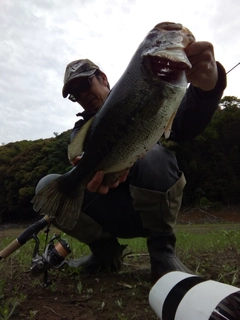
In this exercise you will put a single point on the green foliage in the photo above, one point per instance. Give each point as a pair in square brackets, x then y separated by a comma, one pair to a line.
[211, 163]
[22, 165]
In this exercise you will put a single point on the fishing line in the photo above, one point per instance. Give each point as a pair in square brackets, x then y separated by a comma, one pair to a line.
[233, 67]
[91, 202]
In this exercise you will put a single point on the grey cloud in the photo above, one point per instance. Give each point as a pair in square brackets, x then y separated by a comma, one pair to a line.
[39, 38]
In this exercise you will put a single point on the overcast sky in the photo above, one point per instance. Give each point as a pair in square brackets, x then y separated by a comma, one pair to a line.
[40, 37]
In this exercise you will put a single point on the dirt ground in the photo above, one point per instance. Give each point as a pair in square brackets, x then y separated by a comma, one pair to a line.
[109, 296]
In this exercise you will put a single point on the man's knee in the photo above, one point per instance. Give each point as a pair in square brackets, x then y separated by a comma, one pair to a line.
[159, 210]
[158, 170]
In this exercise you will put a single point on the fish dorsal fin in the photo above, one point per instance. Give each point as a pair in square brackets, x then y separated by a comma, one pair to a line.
[75, 148]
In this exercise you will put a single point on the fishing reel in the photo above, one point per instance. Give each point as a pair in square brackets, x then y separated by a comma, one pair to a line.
[53, 257]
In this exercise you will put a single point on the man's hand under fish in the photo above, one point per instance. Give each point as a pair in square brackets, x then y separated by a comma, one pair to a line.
[95, 185]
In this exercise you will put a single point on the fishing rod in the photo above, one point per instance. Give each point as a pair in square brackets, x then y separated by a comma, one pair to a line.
[233, 67]
[24, 237]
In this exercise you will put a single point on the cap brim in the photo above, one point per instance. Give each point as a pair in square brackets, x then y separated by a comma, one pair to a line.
[65, 90]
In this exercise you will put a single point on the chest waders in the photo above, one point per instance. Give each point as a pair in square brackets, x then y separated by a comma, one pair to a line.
[146, 205]
[159, 211]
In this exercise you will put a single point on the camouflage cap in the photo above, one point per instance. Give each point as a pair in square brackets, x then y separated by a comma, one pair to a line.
[76, 69]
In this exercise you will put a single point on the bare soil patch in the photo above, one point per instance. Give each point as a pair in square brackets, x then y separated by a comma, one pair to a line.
[206, 215]
[110, 296]
[107, 296]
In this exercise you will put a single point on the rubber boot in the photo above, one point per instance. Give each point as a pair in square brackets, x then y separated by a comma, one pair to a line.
[159, 211]
[161, 248]
[106, 256]
[106, 251]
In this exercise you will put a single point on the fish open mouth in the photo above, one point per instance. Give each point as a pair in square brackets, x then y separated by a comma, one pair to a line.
[168, 70]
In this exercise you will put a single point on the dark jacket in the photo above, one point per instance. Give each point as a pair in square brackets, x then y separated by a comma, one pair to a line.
[194, 113]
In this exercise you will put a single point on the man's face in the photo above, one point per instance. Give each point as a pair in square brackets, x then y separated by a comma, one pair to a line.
[91, 93]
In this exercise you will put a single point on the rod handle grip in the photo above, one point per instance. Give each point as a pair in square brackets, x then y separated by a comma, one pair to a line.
[13, 246]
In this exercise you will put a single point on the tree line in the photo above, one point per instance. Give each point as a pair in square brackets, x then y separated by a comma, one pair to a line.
[211, 163]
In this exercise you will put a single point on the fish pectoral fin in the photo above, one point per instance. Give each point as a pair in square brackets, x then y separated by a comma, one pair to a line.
[112, 177]
[168, 128]
[75, 148]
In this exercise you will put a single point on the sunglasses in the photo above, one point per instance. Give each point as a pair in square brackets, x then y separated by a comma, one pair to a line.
[84, 86]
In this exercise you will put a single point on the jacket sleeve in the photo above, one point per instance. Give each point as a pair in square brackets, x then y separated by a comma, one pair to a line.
[196, 109]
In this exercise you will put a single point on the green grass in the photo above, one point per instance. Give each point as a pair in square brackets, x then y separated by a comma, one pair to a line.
[208, 238]
[196, 245]
[201, 238]
[192, 241]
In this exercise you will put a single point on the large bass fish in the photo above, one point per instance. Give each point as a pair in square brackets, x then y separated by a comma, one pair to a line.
[137, 112]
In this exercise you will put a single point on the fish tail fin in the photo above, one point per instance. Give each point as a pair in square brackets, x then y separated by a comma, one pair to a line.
[60, 203]
[70, 211]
